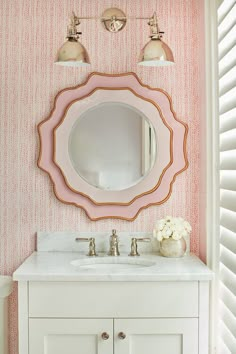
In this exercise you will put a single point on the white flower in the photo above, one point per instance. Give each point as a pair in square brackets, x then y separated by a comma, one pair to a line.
[166, 232]
[159, 236]
[187, 226]
[176, 236]
[160, 226]
[175, 227]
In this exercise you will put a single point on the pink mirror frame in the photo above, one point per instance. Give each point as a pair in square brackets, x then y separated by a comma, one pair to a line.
[111, 208]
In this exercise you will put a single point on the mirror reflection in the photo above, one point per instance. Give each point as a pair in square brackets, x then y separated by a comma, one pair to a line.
[112, 146]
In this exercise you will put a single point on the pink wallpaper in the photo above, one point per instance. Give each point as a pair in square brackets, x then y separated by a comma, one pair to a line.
[30, 33]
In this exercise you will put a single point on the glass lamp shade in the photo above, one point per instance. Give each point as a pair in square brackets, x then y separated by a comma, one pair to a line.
[72, 53]
[156, 53]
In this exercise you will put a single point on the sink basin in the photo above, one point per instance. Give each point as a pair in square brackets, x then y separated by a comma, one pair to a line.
[112, 263]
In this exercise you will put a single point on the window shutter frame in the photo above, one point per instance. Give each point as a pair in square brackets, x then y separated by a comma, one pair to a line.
[212, 161]
[227, 171]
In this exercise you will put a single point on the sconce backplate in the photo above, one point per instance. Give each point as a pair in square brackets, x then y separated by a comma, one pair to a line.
[114, 19]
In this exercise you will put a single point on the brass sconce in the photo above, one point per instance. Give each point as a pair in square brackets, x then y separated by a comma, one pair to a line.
[72, 52]
[154, 53]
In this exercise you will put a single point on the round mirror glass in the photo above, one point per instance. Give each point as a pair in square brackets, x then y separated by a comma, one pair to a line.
[112, 146]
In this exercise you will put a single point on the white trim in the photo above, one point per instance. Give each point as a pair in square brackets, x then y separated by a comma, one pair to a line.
[203, 317]
[212, 129]
[212, 144]
[218, 3]
[23, 317]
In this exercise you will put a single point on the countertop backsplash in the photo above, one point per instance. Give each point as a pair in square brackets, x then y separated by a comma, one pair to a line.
[64, 241]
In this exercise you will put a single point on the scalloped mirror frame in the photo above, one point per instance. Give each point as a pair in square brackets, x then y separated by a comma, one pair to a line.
[178, 155]
[99, 96]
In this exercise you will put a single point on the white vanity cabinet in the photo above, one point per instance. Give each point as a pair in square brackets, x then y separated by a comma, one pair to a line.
[153, 336]
[74, 317]
[140, 336]
[70, 336]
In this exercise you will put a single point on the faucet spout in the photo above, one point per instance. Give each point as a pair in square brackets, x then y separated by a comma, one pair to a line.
[114, 245]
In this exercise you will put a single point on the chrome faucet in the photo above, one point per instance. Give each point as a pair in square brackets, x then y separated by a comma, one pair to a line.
[114, 245]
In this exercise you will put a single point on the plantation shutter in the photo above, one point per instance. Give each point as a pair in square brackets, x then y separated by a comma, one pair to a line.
[227, 127]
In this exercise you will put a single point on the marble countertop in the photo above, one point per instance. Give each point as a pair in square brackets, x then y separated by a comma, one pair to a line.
[56, 266]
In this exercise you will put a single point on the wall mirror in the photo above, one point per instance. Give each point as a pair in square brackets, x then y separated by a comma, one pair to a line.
[112, 146]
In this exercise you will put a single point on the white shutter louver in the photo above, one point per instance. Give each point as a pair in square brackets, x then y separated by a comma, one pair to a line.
[227, 127]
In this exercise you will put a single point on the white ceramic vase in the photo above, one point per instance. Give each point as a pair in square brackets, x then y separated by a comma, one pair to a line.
[173, 248]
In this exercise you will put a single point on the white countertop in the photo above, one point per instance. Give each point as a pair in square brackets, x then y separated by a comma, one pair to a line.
[56, 266]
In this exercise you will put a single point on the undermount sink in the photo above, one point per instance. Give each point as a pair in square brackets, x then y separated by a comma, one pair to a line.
[112, 263]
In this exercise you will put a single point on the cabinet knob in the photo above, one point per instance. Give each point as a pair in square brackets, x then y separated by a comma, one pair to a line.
[105, 336]
[122, 335]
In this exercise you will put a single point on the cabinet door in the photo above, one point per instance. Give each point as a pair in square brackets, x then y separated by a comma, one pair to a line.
[156, 336]
[70, 336]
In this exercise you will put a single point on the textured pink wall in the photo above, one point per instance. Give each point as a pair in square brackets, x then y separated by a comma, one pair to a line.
[30, 33]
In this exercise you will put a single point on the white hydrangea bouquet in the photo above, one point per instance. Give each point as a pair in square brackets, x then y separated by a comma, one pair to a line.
[171, 233]
[171, 227]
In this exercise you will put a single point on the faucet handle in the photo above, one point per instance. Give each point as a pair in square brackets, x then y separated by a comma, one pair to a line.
[134, 245]
[92, 247]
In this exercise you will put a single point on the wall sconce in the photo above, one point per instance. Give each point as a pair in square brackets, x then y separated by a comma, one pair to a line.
[72, 52]
[154, 53]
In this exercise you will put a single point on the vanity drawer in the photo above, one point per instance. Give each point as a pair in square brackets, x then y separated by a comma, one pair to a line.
[113, 299]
